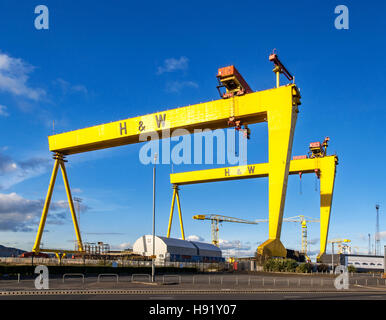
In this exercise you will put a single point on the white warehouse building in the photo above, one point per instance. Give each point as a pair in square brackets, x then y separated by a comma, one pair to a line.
[171, 249]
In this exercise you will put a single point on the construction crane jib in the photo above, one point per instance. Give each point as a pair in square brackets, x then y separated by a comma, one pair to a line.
[278, 107]
[216, 219]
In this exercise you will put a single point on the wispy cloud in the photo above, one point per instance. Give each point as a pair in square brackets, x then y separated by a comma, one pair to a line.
[3, 111]
[68, 88]
[122, 246]
[14, 75]
[13, 171]
[22, 215]
[237, 248]
[173, 64]
[194, 237]
[313, 241]
[234, 244]
[177, 86]
[76, 190]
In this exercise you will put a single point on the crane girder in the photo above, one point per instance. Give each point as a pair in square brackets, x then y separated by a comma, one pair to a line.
[251, 108]
[220, 218]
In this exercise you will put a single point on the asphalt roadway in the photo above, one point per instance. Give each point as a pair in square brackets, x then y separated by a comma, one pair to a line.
[196, 287]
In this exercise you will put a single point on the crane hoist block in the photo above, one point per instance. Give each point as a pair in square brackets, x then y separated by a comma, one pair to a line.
[233, 82]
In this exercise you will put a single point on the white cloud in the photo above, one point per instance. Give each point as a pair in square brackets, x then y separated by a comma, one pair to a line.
[122, 246]
[3, 111]
[194, 237]
[22, 215]
[172, 64]
[13, 171]
[177, 86]
[14, 77]
[236, 248]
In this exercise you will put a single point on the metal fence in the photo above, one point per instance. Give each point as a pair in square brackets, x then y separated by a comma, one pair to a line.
[212, 281]
[120, 263]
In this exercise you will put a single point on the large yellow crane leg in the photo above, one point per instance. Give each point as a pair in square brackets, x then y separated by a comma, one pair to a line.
[327, 182]
[280, 134]
[324, 167]
[59, 161]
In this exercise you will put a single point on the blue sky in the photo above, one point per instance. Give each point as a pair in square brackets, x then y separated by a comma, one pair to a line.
[104, 61]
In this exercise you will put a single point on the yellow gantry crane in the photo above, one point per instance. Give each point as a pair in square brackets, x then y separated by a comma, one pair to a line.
[237, 108]
[316, 162]
[215, 222]
[303, 220]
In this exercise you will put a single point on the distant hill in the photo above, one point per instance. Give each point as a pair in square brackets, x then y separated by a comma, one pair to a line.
[9, 252]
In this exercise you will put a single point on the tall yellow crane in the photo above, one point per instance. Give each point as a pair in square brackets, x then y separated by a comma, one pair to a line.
[215, 222]
[238, 108]
[316, 162]
[303, 221]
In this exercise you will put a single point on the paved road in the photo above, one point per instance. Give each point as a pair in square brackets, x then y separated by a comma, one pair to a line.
[201, 287]
[369, 295]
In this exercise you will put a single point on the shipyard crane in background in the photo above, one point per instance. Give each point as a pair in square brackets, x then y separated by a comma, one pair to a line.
[215, 223]
[303, 220]
[343, 245]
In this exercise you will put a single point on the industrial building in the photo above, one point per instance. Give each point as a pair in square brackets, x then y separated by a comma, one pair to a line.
[362, 263]
[171, 249]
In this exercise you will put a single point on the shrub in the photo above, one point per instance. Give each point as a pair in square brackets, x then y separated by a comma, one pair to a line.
[269, 265]
[351, 269]
[304, 268]
[280, 265]
[290, 265]
[323, 267]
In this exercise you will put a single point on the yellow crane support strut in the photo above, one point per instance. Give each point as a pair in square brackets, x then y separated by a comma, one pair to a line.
[59, 161]
[325, 167]
[278, 107]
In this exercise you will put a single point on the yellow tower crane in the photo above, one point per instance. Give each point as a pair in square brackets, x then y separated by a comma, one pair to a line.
[215, 222]
[303, 221]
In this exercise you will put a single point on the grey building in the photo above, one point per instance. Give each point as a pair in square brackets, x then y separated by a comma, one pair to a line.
[171, 249]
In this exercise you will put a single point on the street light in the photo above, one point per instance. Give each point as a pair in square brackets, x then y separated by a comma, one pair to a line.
[153, 256]
[78, 201]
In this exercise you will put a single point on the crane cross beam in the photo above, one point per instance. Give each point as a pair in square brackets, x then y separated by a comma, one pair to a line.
[250, 108]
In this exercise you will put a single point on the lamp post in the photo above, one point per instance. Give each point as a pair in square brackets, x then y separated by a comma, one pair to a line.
[153, 256]
[384, 261]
